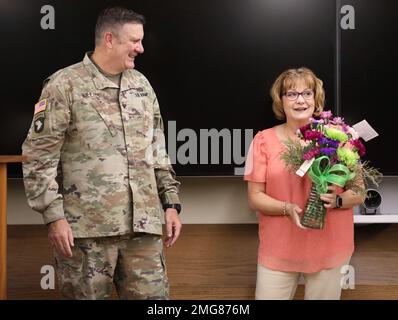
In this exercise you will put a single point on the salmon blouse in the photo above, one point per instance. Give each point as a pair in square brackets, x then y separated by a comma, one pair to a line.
[282, 245]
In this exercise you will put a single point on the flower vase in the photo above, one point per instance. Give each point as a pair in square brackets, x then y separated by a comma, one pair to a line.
[315, 212]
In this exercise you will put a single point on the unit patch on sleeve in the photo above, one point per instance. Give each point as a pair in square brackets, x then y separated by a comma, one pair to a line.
[39, 123]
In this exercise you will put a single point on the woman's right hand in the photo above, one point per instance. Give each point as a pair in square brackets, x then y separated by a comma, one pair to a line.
[293, 213]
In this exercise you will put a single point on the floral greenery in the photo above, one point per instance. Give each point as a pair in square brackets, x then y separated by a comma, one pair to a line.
[293, 157]
[365, 176]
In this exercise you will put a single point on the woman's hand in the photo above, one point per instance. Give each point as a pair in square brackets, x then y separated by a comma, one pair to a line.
[293, 213]
[330, 197]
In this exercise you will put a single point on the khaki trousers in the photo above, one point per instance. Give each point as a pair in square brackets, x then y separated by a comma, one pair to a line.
[278, 285]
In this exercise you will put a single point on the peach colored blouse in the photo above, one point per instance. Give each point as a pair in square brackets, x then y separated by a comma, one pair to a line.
[283, 246]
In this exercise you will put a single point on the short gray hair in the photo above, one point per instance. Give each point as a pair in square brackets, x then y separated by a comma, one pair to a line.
[113, 18]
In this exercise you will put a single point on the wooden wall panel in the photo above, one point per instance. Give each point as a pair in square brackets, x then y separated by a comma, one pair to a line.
[214, 262]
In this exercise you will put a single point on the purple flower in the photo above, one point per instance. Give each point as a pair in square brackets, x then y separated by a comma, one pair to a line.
[328, 151]
[326, 142]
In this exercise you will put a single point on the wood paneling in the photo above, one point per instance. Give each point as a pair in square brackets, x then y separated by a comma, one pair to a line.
[214, 262]
[3, 220]
[3, 231]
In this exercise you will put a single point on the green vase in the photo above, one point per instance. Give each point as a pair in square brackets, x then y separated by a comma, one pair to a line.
[315, 212]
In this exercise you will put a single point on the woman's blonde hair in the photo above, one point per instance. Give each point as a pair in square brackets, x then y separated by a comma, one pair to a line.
[287, 80]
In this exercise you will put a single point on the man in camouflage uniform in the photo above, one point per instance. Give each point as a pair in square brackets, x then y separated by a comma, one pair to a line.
[97, 168]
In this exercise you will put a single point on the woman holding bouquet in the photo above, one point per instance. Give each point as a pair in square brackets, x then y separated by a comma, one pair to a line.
[287, 249]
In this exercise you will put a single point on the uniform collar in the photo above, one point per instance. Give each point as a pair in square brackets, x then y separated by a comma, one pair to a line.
[101, 82]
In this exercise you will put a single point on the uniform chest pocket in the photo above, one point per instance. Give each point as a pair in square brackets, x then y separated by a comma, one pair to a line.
[140, 113]
[94, 124]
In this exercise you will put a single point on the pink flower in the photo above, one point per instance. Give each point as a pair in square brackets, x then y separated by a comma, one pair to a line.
[338, 120]
[312, 135]
[326, 114]
[336, 126]
[353, 133]
[303, 129]
[358, 145]
[311, 153]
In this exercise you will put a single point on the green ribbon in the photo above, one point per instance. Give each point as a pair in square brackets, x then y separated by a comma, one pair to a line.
[322, 175]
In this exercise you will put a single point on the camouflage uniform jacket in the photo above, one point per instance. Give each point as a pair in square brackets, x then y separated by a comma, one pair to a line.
[96, 154]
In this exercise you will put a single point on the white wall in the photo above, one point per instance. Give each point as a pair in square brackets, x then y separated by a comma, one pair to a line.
[205, 200]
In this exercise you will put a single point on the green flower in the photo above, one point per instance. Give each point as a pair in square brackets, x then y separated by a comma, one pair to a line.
[335, 134]
[347, 156]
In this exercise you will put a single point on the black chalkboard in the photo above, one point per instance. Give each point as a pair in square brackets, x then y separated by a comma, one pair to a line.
[369, 72]
[211, 63]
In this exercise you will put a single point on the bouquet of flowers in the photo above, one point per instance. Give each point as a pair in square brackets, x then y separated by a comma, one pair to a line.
[332, 150]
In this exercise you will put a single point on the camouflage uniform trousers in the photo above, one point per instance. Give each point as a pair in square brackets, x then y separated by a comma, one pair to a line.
[134, 264]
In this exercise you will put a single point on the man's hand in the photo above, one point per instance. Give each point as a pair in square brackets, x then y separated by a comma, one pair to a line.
[61, 237]
[173, 226]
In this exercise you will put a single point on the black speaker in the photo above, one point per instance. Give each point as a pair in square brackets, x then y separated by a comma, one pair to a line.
[372, 202]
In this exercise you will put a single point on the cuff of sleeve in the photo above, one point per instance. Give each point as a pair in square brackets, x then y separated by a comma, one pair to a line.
[170, 197]
[53, 213]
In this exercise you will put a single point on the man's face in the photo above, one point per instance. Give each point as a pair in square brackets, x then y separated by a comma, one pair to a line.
[128, 45]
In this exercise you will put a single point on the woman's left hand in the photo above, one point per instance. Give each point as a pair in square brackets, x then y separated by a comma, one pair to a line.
[330, 197]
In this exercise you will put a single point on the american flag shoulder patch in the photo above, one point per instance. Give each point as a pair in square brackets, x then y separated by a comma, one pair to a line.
[41, 106]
